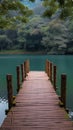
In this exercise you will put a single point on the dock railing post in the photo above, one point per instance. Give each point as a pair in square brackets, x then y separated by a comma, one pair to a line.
[54, 77]
[10, 90]
[22, 72]
[25, 71]
[26, 68]
[48, 68]
[18, 78]
[27, 62]
[63, 89]
[50, 71]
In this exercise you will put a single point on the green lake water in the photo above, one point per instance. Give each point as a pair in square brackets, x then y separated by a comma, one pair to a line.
[8, 65]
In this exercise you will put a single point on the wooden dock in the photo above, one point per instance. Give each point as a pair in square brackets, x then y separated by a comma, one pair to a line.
[37, 107]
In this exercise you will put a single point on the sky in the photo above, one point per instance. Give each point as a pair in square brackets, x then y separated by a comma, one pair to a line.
[31, 4]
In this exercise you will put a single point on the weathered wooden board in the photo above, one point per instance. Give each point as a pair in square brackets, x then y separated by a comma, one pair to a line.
[37, 107]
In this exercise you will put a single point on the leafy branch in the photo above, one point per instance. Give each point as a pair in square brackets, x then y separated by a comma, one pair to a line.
[13, 12]
[64, 6]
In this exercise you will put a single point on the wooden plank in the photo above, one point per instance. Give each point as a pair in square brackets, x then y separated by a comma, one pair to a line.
[37, 107]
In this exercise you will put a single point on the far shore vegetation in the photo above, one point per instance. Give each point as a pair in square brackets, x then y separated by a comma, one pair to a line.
[20, 52]
[44, 30]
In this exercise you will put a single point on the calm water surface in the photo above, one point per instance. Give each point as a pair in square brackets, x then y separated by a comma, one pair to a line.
[8, 65]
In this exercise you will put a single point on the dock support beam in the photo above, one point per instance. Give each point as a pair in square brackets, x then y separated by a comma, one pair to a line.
[10, 90]
[27, 64]
[63, 89]
[54, 77]
[50, 71]
[46, 67]
[18, 78]
[25, 70]
[22, 72]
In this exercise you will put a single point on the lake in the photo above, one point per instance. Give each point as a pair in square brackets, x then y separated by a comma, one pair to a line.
[8, 65]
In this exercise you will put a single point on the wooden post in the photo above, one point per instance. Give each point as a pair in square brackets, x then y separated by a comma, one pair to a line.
[18, 78]
[63, 89]
[48, 68]
[27, 66]
[50, 71]
[25, 71]
[22, 72]
[10, 90]
[54, 77]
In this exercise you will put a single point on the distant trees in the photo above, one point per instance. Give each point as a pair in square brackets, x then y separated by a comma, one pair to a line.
[56, 38]
[21, 40]
[51, 35]
[5, 42]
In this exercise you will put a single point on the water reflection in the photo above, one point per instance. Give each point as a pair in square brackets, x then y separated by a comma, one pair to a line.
[70, 114]
[3, 107]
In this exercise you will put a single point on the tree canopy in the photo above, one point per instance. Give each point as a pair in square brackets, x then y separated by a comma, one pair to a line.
[12, 12]
[63, 8]
[40, 35]
[52, 35]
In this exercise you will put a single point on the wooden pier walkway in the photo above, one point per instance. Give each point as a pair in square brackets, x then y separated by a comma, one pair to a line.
[37, 107]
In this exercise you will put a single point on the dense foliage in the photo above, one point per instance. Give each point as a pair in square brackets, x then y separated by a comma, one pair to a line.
[12, 13]
[47, 36]
[65, 7]
[52, 35]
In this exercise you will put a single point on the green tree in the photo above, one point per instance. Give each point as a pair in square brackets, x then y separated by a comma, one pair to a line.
[21, 38]
[12, 12]
[5, 43]
[64, 7]
[56, 38]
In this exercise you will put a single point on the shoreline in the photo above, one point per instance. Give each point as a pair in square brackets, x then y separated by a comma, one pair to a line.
[12, 52]
[18, 52]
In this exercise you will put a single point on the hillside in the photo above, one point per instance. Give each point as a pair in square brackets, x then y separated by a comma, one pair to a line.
[45, 35]
[52, 36]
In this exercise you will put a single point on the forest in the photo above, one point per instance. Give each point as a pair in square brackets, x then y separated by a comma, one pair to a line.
[49, 35]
